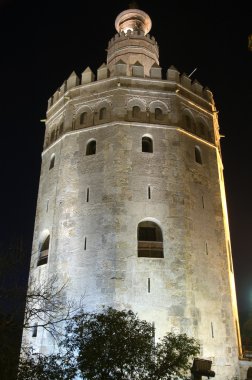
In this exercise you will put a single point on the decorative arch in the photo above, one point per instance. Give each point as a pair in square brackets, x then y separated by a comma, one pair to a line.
[83, 116]
[103, 110]
[189, 121]
[91, 147]
[202, 127]
[44, 245]
[136, 102]
[157, 104]
[150, 239]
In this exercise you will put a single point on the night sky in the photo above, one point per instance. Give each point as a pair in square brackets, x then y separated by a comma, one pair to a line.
[42, 42]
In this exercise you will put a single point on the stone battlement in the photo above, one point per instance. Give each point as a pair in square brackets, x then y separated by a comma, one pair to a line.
[184, 83]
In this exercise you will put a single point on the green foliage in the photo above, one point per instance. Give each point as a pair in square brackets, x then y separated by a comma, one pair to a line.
[42, 367]
[113, 345]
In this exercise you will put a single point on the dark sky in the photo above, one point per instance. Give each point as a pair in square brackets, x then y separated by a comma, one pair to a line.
[42, 42]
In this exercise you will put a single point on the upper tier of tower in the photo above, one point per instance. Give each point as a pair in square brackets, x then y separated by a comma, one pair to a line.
[132, 72]
[133, 45]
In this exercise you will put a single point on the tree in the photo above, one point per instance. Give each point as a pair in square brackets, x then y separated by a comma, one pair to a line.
[14, 262]
[43, 303]
[47, 305]
[113, 345]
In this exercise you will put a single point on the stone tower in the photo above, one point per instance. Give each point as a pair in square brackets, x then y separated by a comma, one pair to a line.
[131, 208]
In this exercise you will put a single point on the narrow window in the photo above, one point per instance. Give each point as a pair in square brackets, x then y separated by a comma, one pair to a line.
[212, 330]
[198, 157]
[206, 246]
[85, 244]
[158, 114]
[47, 205]
[61, 129]
[203, 202]
[87, 199]
[147, 144]
[83, 118]
[57, 133]
[150, 240]
[91, 148]
[148, 285]
[52, 161]
[149, 192]
[188, 123]
[202, 129]
[43, 251]
[102, 113]
[52, 137]
[34, 330]
[230, 257]
[136, 111]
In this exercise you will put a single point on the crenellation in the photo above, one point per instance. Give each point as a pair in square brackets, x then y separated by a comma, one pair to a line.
[185, 81]
[72, 81]
[87, 76]
[120, 68]
[173, 74]
[197, 87]
[156, 71]
[137, 70]
[208, 94]
[102, 72]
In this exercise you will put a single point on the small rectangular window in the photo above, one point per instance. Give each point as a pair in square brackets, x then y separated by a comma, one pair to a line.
[148, 285]
[85, 244]
[47, 204]
[149, 192]
[212, 330]
[88, 194]
[206, 246]
[203, 202]
[34, 330]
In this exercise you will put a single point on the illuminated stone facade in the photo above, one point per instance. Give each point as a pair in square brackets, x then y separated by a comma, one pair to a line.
[131, 209]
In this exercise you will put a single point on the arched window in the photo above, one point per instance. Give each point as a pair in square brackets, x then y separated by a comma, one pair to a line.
[102, 113]
[43, 251]
[83, 118]
[158, 114]
[150, 240]
[136, 111]
[189, 123]
[52, 161]
[198, 157]
[147, 144]
[202, 129]
[91, 148]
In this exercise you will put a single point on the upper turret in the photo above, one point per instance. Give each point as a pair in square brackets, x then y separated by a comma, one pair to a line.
[133, 44]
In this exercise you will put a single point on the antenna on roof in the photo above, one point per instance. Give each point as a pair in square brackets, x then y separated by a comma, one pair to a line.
[192, 72]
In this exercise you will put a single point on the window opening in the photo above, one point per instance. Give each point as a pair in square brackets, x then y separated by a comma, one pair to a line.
[147, 144]
[91, 148]
[150, 240]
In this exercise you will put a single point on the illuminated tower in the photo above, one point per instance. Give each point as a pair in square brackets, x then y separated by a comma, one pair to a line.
[131, 209]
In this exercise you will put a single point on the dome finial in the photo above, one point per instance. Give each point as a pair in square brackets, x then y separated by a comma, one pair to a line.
[133, 19]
